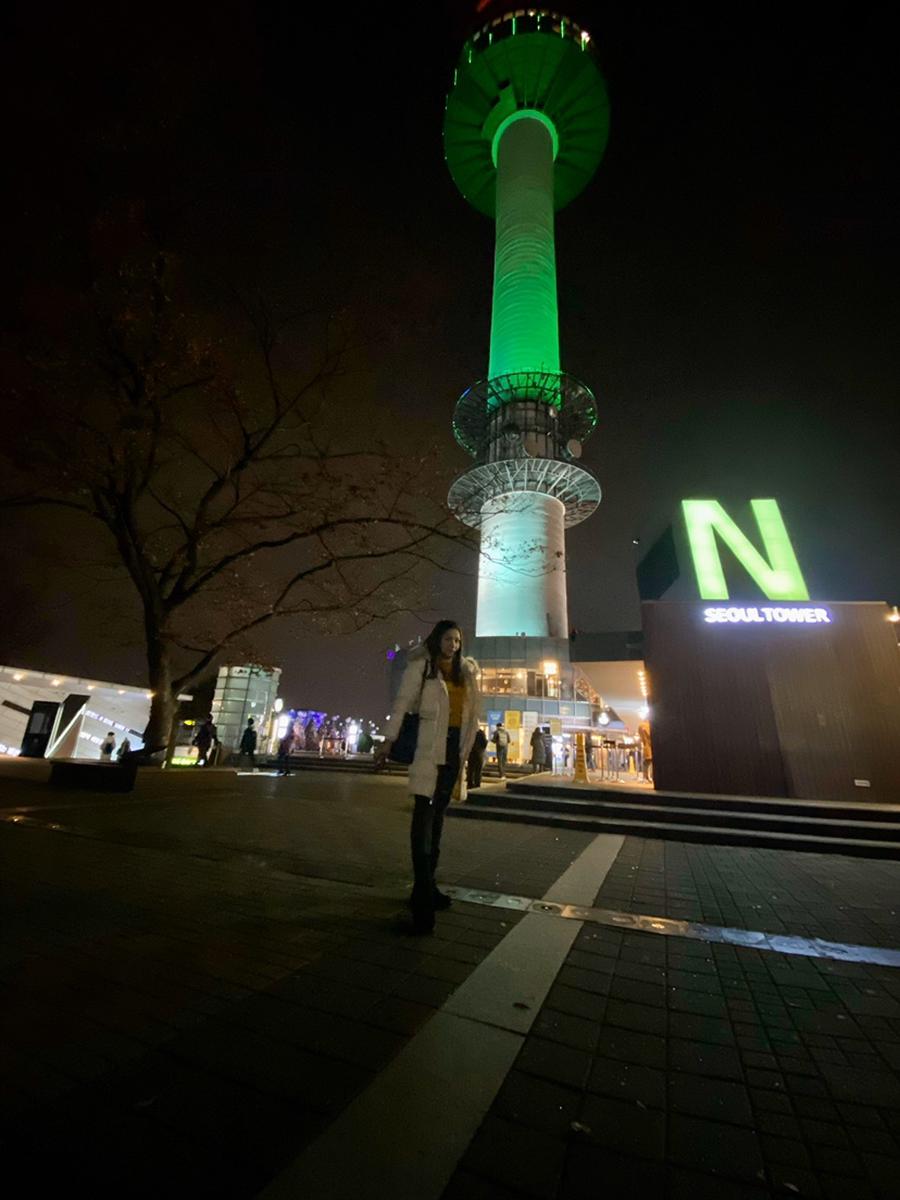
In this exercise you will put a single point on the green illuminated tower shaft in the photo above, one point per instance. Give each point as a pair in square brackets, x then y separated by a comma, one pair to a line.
[524, 324]
[526, 126]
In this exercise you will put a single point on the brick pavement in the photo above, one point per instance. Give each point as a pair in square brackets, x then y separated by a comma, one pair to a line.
[684, 1069]
[200, 979]
[196, 986]
[779, 891]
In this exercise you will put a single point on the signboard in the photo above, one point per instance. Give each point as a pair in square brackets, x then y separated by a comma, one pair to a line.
[529, 720]
[495, 716]
[776, 573]
[765, 615]
[512, 719]
[556, 726]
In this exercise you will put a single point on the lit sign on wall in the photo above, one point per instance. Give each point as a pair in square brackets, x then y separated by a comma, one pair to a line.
[777, 575]
[752, 615]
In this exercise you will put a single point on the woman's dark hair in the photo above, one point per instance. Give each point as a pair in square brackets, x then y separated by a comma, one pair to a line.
[433, 646]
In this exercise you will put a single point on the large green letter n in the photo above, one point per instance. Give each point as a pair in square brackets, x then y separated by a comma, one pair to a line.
[779, 578]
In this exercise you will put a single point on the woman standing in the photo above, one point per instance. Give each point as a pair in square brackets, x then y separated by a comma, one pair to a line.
[442, 687]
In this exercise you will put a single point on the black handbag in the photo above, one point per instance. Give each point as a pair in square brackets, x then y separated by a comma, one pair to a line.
[404, 748]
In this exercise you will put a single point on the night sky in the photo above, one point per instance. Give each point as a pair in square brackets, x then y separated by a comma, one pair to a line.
[727, 282]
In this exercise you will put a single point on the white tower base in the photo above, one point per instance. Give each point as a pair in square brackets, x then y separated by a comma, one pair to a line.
[522, 568]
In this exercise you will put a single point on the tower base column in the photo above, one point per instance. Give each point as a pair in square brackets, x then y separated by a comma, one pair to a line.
[522, 567]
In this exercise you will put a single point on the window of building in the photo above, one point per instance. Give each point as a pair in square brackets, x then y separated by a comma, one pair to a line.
[504, 681]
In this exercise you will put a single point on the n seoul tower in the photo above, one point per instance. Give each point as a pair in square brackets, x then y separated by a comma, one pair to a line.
[526, 125]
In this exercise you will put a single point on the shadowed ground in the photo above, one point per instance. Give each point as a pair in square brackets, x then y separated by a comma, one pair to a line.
[197, 980]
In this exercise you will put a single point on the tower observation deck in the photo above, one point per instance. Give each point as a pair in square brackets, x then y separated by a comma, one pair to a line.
[526, 125]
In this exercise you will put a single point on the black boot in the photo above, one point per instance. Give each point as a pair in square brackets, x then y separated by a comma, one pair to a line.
[421, 902]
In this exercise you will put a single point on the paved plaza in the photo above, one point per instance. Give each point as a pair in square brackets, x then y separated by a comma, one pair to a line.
[208, 990]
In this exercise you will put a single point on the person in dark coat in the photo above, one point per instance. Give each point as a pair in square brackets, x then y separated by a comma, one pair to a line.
[500, 738]
[205, 738]
[548, 748]
[475, 764]
[538, 752]
[248, 742]
[285, 746]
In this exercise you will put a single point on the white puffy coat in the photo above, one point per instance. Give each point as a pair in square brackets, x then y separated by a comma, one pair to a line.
[434, 711]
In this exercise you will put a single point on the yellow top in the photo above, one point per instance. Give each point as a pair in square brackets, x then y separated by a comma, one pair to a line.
[457, 695]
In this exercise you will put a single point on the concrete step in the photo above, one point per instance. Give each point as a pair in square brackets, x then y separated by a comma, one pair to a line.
[643, 810]
[364, 766]
[853, 842]
[835, 810]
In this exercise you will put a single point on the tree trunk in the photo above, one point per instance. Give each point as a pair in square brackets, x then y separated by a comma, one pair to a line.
[164, 705]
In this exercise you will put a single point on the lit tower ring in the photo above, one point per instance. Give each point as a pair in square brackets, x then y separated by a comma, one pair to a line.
[526, 124]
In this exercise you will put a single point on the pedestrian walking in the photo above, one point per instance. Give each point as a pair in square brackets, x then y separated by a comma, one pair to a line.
[548, 748]
[206, 737]
[500, 738]
[248, 742]
[107, 746]
[475, 763]
[646, 750]
[589, 750]
[441, 686]
[124, 749]
[538, 752]
[285, 746]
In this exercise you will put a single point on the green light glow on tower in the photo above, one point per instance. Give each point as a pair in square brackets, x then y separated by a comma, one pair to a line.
[779, 578]
[524, 325]
[526, 126]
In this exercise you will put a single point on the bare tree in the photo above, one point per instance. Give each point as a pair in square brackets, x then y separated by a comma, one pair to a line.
[224, 471]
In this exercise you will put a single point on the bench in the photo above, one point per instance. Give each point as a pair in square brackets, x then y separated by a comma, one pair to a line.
[93, 776]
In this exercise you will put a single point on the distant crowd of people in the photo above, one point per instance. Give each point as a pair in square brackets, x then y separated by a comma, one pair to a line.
[206, 740]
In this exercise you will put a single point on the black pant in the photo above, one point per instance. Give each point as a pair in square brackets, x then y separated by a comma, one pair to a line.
[502, 752]
[474, 767]
[428, 825]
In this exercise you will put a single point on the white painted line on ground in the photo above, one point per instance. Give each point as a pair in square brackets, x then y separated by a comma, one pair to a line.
[581, 883]
[510, 985]
[403, 1136]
